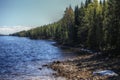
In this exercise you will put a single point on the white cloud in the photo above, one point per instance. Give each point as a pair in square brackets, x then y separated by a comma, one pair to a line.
[9, 30]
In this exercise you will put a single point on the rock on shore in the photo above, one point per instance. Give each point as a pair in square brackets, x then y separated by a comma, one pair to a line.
[82, 67]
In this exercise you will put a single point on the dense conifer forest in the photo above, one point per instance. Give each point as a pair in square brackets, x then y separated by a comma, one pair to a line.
[94, 25]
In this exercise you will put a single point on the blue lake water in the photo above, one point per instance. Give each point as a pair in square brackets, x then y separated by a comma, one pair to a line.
[21, 58]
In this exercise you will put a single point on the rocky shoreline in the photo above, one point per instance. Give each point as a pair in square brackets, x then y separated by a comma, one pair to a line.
[83, 66]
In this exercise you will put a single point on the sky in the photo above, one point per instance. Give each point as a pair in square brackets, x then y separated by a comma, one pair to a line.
[17, 15]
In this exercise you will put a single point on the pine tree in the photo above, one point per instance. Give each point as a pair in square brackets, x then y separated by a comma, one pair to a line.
[69, 24]
[117, 14]
[112, 29]
[82, 29]
[77, 23]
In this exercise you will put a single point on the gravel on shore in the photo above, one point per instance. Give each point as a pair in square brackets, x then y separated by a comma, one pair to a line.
[82, 67]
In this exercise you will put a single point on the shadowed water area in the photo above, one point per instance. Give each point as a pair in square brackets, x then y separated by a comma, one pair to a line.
[21, 58]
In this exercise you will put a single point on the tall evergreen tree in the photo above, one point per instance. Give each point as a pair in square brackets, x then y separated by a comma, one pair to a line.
[112, 24]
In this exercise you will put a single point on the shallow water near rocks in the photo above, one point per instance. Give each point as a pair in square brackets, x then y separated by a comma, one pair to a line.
[22, 58]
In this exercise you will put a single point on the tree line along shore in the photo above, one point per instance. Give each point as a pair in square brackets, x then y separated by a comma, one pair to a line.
[94, 25]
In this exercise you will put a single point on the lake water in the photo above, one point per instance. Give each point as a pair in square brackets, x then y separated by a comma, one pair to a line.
[21, 58]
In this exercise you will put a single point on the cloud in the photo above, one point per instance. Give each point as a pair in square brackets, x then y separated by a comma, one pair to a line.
[9, 30]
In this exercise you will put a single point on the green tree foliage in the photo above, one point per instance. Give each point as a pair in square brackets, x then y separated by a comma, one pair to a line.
[94, 25]
[95, 33]
[112, 24]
